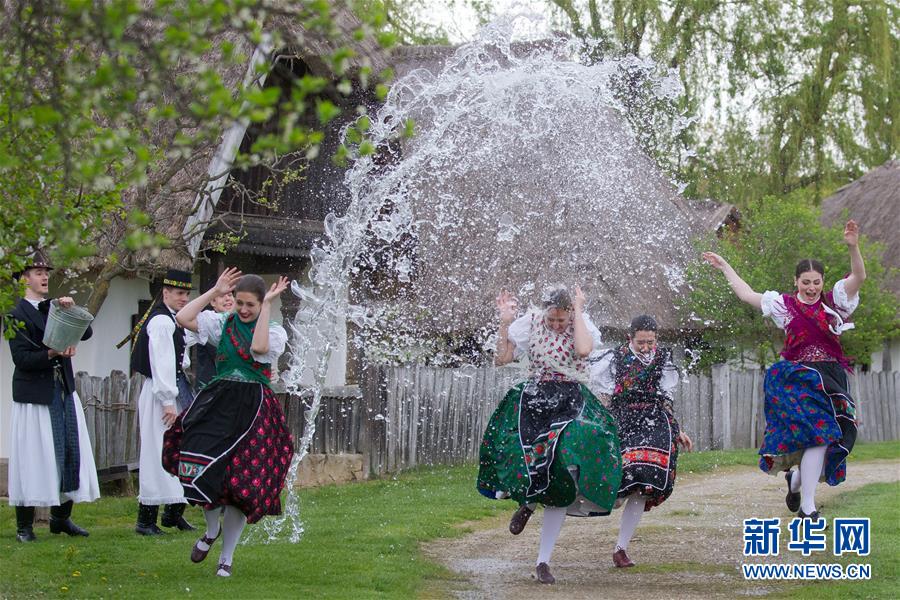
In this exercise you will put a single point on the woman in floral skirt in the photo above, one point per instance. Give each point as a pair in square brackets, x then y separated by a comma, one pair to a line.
[550, 441]
[639, 379]
[810, 415]
[231, 448]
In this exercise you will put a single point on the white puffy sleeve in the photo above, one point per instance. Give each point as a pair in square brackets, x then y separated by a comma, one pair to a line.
[209, 327]
[772, 305]
[669, 380]
[592, 329]
[603, 374]
[160, 330]
[519, 334]
[277, 343]
[190, 338]
[842, 302]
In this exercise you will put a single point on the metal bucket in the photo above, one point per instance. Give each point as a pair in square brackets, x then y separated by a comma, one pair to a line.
[65, 326]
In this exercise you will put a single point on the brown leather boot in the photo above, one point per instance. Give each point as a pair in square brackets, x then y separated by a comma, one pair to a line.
[621, 560]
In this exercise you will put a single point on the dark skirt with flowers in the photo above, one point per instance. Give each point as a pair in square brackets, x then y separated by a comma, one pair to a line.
[232, 446]
[808, 405]
[552, 443]
[647, 434]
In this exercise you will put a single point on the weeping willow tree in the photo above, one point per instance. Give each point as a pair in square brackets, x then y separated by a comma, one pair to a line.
[787, 94]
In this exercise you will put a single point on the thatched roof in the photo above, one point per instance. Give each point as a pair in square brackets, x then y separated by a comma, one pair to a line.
[873, 201]
[712, 216]
[173, 205]
[628, 255]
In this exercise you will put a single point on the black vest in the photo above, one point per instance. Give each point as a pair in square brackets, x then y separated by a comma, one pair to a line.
[140, 356]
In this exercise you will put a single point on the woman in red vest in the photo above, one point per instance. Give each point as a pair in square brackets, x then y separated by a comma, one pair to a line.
[810, 416]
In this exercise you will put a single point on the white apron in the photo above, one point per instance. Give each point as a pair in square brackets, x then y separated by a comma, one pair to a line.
[33, 474]
[157, 486]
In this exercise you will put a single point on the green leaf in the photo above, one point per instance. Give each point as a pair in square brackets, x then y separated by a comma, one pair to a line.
[326, 111]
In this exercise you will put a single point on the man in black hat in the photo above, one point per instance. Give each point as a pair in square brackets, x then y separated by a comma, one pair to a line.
[50, 460]
[158, 354]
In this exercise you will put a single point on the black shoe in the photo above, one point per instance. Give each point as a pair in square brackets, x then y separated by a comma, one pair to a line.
[173, 517]
[25, 524]
[813, 516]
[544, 575]
[520, 519]
[150, 529]
[793, 498]
[66, 526]
[181, 523]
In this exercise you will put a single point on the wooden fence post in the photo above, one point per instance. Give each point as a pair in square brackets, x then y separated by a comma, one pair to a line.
[721, 407]
[374, 400]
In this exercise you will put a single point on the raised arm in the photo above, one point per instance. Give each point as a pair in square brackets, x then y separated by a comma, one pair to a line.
[187, 316]
[506, 306]
[741, 288]
[584, 343]
[857, 267]
[260, 342]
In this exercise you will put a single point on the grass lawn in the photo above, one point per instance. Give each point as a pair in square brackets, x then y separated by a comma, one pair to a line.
[361, 541]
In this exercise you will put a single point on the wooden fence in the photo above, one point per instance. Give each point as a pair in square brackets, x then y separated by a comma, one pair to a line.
[422, 415]
[110, 410]
[402, 417]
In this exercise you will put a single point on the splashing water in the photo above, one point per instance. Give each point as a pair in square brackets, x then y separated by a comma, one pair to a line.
[523, 171]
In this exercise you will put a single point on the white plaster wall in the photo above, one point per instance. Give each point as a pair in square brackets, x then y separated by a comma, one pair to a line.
[99, 355]
[6, 371]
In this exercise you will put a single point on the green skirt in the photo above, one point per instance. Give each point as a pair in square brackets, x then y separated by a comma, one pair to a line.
[585, 471]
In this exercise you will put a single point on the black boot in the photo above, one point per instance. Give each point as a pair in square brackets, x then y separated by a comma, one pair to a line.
[25, 524]
[173, 516]
[61, 523]
[146, 521]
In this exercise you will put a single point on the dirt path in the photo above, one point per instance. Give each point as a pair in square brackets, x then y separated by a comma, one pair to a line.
[708, 508]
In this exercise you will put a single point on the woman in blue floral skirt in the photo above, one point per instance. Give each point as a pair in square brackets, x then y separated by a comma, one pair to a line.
[810, 416]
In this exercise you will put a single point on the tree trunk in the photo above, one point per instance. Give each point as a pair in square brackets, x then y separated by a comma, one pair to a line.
[101, 287]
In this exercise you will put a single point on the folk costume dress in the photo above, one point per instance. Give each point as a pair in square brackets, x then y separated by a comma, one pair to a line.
[641, 393]
[51, 462]
[232, 445]
[550, 441]
[807, 398]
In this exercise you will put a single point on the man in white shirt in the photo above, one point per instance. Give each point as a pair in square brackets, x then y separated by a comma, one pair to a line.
[158, 354]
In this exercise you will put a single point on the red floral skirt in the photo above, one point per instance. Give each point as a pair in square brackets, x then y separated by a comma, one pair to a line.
[231, 446]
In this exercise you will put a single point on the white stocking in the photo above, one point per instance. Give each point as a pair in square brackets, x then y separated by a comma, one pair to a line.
[631, 516]
[810, 470]
[232, 526]
[212, 526]
[550, 528]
